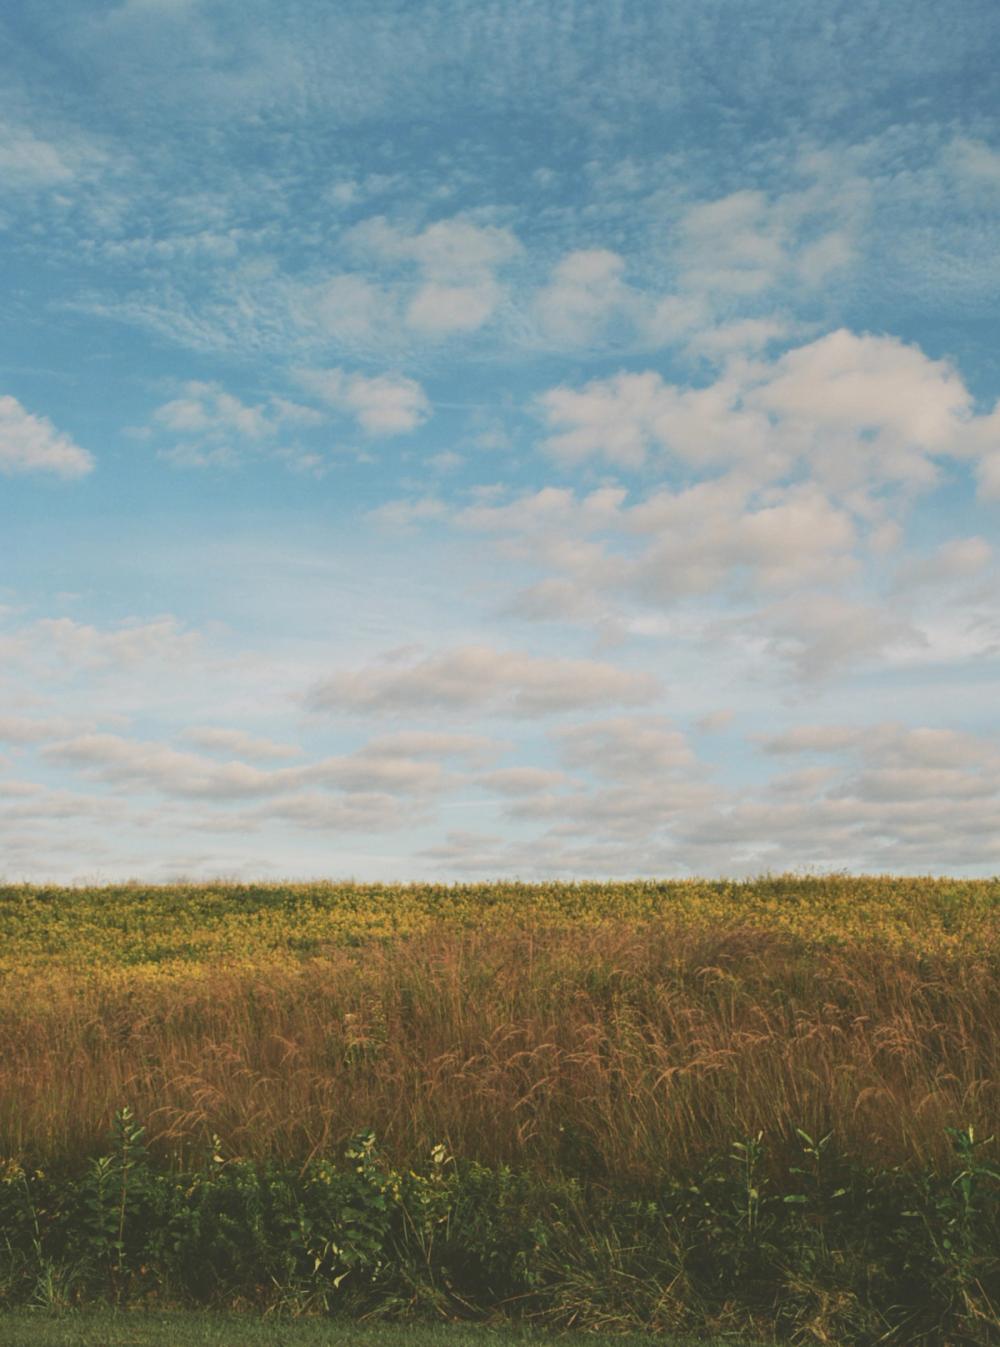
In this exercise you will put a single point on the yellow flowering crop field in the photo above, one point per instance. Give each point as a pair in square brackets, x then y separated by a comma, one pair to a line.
[169, 930]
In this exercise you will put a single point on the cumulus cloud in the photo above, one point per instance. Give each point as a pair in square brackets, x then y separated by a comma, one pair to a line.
[211, 426]
[155, 766]
[452, 308]
[218, 740]
[381, 771]
[715, 721]
[743, 244]
[974, 161]
[626, 748]
[473, 748]
[361, 812]
[615, 562]
[68, 647]
[34, 729]
[207, 409]
[718, 537]
[518, 781]
[456, 261]
[541, 512]
[585, 291]
[30, 443]
[896, 798]
[446, 250]
[29, 161]
[382, 405]
[703, 535]
[349, 308]
[888, 744]
[857, 410]
[957, 559]
[481, 677]
[465, 852]
[151, 766]
[403, 514]
[822, 634]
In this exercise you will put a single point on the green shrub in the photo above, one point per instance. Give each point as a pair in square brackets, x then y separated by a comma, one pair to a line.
[823, 1250]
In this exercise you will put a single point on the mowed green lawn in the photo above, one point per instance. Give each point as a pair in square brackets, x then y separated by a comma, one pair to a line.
[38, 1328]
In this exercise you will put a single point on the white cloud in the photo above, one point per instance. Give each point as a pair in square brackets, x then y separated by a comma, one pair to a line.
[883, 405]
[626, 748]
[403, 514]
[983, 445]
[408, 763]
[518, 781]
[735, 243]
[456, 261]
[858, 410]
[813, 739]
[717, 536]
[437, 308]
[903, 799]
[464, 852]
[708, 533]
[30, 161]
[350, 308]
[585, 291]
[480, 677]
[68, 647]
[551, 508]
[218, 740]
[34, 729]
[383, 405]
[957, 559]
[889, 745]
[213, 428]
[207, 409]
[748, 335]
[16, 790]
[361, 812]
[615, 419]
[557, 599]
[821, 634]
[382, 771]
[474, 748]
[974, 161]
[744, 244]
[715, 721]
[112, 758]
[448, 250]
[31, 443]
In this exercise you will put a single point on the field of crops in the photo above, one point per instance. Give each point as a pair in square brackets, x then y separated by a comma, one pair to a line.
[788, 1036]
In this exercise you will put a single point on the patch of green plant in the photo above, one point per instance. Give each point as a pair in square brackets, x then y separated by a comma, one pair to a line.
[824, 1250]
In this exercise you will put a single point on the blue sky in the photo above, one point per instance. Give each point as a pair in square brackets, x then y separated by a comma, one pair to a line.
[455, 440]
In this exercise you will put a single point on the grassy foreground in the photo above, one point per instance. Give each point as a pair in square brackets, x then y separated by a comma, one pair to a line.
[722, 1108]
[144, 1329]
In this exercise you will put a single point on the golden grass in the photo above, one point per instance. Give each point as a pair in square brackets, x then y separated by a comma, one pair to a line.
[624, 1031]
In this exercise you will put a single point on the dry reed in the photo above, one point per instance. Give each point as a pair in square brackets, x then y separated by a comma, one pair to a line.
[627, 1049]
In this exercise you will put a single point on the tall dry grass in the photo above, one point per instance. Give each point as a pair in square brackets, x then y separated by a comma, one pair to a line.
[627, 1050]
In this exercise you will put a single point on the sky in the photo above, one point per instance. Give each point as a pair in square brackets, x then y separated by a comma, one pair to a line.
[454, 439]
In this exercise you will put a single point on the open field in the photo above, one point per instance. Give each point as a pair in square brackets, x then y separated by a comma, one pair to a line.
[688, 1105]
[625, 1030]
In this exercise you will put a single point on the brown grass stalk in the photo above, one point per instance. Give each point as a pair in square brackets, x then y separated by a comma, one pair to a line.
[626, 1050]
